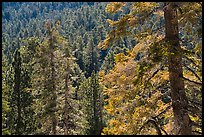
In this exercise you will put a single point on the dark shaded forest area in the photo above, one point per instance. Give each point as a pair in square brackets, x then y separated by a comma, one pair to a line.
[101, 68]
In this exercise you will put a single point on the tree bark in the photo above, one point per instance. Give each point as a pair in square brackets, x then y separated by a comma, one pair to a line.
[100, 113]
[66, 106]
[94, 103]
[53, 87]
[17, 70]
[179, 99]
[54, 119]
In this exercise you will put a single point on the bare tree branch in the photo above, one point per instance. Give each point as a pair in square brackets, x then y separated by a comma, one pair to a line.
[195, 124]
[197, 132]
[191, 61]
[192, 72]
[167, 108]
[164, 131]
[195, 102]
[154, 123]
[153, 74]
[195, 111]
[198, 83]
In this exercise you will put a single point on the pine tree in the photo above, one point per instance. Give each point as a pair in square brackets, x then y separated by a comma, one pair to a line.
[20, 99]
[46, 80]
[17, 91]
[91, 57]
[93, 105]
[55, 86]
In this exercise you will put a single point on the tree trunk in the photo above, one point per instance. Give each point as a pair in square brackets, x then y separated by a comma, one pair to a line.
[53, 88]
[100, 113]
[94, 103]
[17, 72]
[179, 99]
[66, 106]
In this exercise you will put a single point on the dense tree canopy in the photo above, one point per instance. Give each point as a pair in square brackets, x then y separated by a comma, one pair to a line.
[92, 68]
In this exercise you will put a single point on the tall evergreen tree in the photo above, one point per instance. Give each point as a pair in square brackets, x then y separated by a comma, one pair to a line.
[93, 104]
[21, 100]
[46, 68]
[92, 57]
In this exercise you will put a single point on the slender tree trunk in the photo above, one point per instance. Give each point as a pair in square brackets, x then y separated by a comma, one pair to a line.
[53, 90]
[17, 67]
[96, 104]
[95, 110]
[100, 113]
[179, 99]
[66, 107]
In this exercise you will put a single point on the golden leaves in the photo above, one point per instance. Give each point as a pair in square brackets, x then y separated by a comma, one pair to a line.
[133, 104]
[119, 57]
[191, 11]
[114, 7]
[132, 21]
[191, 76]
[194, 118]
[140, 7]
[121, 79]
[159, 13]
[161, 76]
[137, 49]
[112, 23]
[104, 44]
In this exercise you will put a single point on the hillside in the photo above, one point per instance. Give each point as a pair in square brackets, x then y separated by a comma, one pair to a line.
[101, 68]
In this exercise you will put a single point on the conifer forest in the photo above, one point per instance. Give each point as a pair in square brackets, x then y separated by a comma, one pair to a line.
[101, 68]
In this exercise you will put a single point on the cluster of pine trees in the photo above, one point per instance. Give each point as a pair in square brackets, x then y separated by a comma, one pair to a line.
[91, 68]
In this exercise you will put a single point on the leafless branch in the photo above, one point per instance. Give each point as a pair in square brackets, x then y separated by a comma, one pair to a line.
[167, 108]
[195, 102]
[192, 72]
[195, 124]
[195, 111]
[164, 131]
[154, 123]
[197, 132]
[153, 74]
[198, 83]
[191, 61]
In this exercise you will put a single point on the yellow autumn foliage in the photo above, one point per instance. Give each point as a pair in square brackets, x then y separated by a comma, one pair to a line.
[140, 7]
[135, 93]
[113, 7]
